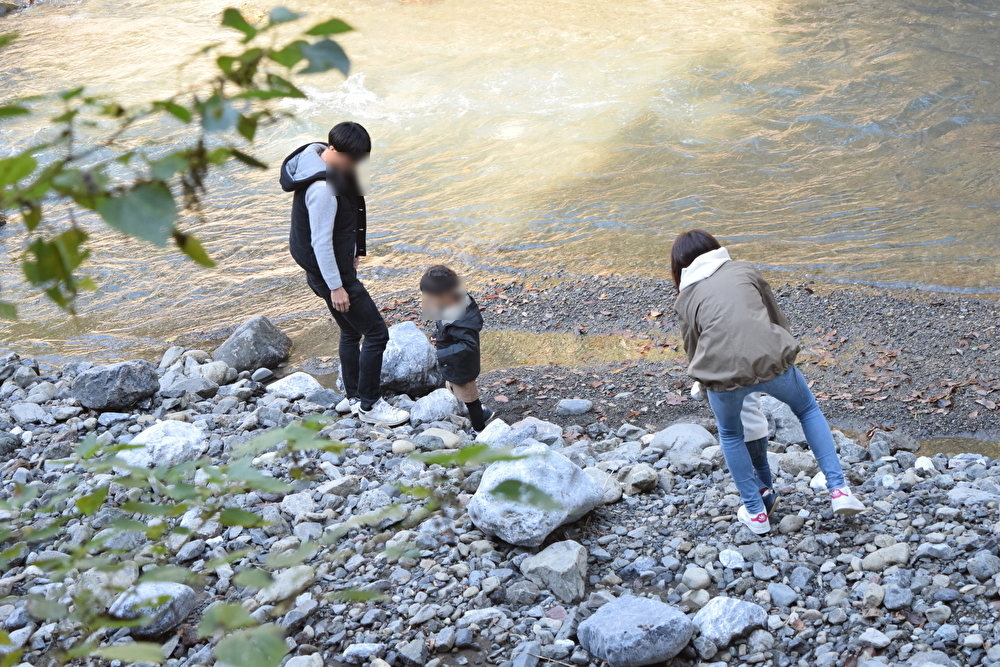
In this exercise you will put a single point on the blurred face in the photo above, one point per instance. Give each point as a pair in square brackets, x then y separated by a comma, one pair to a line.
[346, 162]
[448, 306]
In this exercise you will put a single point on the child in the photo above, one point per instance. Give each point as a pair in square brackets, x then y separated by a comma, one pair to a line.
[755, 431]
[738, 343]
[457, 339]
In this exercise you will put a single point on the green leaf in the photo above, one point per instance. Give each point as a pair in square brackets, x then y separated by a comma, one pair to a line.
[217, 114]
[13, 169]
[290, 55]
[323, 56]
[172, 573]
[295, 557]
[191, 247]
[223, 617]
[48, 610]
[474, 454]
[252, 578]
[13, 110]
[284, 87]
[283, 15]
[232, 516]
[263, 646]
[355, 595]
[232, 18]
[331, 27]
[6, 38]
[174, 109]
[134, 652]
[248, 160]
[155, 509]
[67, 95]
[147, 212]
[92, 502]
[247, 126]
[517, 491]
[56, 260]
[168, 165]
[8, 311]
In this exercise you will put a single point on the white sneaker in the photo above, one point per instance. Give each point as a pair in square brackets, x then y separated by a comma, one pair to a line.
[383, 413]
[349, 406]
[757, 523]
[845, 503]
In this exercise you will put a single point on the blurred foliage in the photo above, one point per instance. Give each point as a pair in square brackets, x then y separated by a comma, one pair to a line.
[84, 164]
[106, 517]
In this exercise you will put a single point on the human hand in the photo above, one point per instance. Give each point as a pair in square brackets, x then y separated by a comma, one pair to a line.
[357, 263]
[340, 300]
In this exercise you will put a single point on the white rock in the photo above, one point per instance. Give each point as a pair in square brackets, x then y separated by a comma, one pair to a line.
[27, 413]
[166, 443]
[435, 406]
[560, 568]
[287, 584]
[297, 504]
[495, 430]
[610, 486]
[294, 386]
[524, 524]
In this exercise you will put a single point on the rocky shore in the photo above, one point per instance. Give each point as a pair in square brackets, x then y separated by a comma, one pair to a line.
[588, 542]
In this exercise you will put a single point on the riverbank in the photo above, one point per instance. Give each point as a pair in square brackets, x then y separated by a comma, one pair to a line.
[925, 363]
[639, 560]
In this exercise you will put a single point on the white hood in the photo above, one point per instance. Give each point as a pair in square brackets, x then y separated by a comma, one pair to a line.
[703, 266]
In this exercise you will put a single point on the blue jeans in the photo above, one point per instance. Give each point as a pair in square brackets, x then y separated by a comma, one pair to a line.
[791, 388]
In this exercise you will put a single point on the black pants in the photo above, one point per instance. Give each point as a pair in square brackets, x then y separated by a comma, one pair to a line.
[360, 362]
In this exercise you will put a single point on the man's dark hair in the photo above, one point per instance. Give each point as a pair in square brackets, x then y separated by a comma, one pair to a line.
[439, 279]
[350, 137]
[688, 246]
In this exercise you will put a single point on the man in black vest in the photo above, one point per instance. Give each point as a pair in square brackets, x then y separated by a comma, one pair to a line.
[327, 239]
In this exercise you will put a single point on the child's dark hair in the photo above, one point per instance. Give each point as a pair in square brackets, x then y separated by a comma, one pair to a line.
[439, 279]
[350, 137]
[688, 246]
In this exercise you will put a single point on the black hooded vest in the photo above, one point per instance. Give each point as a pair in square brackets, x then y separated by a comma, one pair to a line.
[349, 226]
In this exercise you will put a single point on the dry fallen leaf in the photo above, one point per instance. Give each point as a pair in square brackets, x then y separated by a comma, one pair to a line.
[500, 398]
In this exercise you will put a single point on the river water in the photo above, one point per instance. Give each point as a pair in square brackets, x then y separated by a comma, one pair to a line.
[837, 140]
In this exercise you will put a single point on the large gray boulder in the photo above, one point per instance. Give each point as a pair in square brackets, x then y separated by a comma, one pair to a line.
[409, 365]
[724, 619]
[164, 444]
[560, 568]
[526, 524]
[435, 406]
[164, 604]
[683, 446]
[634, 631]
[256, 343]
[787, 429]
[116, 386]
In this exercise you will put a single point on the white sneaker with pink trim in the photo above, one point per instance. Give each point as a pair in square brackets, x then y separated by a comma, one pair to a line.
[845, 503]
[757, 523]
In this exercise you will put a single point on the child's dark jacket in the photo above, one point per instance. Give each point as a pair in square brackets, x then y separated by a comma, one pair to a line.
[458, 346]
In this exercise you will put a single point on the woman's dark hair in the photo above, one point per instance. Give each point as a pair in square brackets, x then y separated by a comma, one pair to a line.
[439, 279]
[350, 137]
[688, 246]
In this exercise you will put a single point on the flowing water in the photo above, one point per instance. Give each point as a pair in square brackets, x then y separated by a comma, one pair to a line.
[842, 140]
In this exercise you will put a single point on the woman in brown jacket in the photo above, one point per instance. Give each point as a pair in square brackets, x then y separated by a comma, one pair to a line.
[738, 342]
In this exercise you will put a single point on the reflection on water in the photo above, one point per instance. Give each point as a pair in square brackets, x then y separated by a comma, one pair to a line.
[842, 140]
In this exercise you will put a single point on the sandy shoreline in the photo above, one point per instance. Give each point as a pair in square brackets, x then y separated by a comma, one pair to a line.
[925, 363]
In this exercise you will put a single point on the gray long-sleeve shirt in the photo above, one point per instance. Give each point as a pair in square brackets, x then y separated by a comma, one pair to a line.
[322, 206]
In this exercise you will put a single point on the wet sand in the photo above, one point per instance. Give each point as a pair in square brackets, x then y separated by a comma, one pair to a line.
[922, 362]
